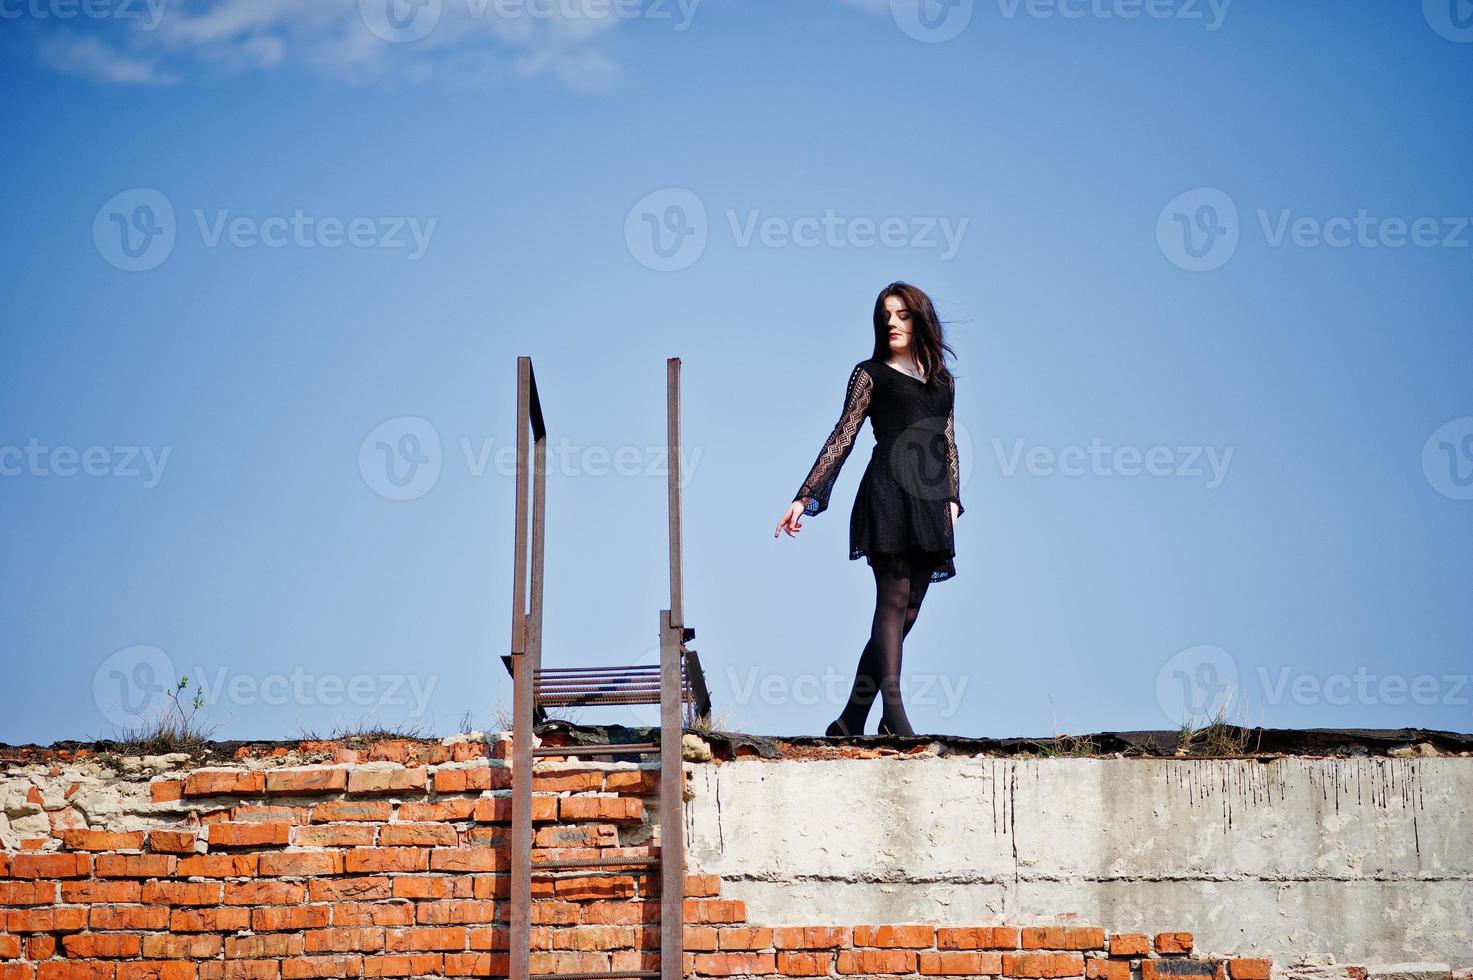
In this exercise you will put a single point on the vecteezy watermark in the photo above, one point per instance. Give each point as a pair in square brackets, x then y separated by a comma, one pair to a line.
[1447, 458]
[136, 230]
[759, 685]
[1452, 19]
[934, 21]
[1363, 687]
[668, 230]
[127, 462]
[920, 458]
[150, 12]
[131, 687]
[1196, 684]
[1198, 230]
[1098, 459]
[404, 21]
[402, 459]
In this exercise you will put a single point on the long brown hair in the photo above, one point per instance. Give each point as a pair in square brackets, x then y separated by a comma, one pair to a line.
[926, 341]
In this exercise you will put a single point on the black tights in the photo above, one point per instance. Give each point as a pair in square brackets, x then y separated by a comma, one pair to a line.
[900, 586]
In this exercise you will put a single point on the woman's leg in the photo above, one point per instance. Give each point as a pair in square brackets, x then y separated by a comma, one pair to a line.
[867, 676]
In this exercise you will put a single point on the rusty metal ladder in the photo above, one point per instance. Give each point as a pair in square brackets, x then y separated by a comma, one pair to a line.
[677, 685]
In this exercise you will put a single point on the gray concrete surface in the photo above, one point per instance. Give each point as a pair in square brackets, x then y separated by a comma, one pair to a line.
[1308, 860]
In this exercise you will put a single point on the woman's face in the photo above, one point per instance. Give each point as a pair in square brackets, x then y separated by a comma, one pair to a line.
[899, 325]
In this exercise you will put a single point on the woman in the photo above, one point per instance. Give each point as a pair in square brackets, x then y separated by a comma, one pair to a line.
[909, 498]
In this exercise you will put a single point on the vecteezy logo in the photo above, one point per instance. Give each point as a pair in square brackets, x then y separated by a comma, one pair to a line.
[667, 230]
[1453, 19]
[130, 687]
[400, 459]
[1195, 683]
[1447, 459]
[134, 231]
[399, 21]
[920, 462]
[932, 21]
[1198, 230]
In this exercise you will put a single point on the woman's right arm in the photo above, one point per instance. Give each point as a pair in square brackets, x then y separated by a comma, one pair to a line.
[814, 493]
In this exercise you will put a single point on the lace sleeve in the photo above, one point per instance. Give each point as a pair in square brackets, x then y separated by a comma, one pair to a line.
[820, 481]
[952, 464]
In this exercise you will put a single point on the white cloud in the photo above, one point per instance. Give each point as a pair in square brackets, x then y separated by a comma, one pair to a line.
[90, 58]
[465, 40]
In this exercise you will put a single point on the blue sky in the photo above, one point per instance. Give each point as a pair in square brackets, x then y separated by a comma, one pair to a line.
[1206, 268]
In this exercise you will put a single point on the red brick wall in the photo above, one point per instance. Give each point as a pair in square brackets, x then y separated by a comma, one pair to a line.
[356, 869]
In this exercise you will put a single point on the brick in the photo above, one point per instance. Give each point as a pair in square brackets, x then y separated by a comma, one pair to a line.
[345, 811]
[365, 888]
[220, 919]
[466, 859]
[140, 918]
[454, 913]
[811, 937]
[1173, 942]
[225, 865]
[568, 781]
[441, 938]
[959, 963]
[417, 835]
[306, 781]
[157, 970]
[745, 937]
[443, 810]
[714, 910]
[335, 835]
[804, 964]
[348, 939]
[281, 918]
[164, 946]
[387, 780]
[977, 937]
[614, 809]
[471, 780]
[735, 964]
[406, 965]
[73, 970]
[289, 813]
[911, 936]
[1043, 964]
[1250, 969]
[135, 865]
[54, 865]
[28, 892]
[264, 946]
[1176, 967]
[241, 970]
[874, 961]
[233, 834]
[177, 893]
[1063, 937]
[224, 782]
[172, 841]
[322, 966]
[1096, 968]
[62, 919]
[102, 945]
[277, 864]
[90, 892]
[264, 893]
[1130, 944]
[102, 840]
[360, 860]
[378, 914]
[166, 790]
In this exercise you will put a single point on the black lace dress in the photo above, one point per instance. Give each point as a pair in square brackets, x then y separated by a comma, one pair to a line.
[903, 501]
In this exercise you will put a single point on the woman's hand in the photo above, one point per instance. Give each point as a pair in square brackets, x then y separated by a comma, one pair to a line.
[955, 511]
[790, 522]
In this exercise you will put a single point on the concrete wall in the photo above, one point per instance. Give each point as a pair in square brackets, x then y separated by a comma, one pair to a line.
[1298, 859]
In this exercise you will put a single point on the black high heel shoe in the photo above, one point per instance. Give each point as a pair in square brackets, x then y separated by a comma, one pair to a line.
[837, 729]
[885, 729]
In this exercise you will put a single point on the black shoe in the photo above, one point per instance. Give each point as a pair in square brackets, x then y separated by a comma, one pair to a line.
[837, 729]
[885, 729]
